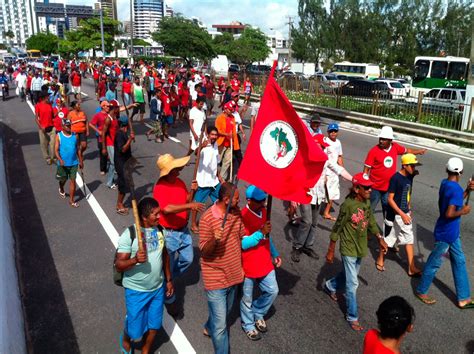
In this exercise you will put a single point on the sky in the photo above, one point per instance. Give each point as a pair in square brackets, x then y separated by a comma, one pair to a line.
[268, 15]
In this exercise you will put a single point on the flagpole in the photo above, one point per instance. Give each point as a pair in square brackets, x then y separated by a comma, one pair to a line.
[234, 188]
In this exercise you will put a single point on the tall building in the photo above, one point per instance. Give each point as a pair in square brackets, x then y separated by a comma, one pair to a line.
[19, 17]
[109, 7]
[147, 15]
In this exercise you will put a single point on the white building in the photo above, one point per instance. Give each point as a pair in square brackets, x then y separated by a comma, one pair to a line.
[19, 17]
[147, 15]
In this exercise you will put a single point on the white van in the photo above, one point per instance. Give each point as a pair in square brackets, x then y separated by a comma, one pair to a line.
[220, 65]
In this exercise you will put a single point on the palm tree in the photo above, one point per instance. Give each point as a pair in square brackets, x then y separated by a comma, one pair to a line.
[10, 35]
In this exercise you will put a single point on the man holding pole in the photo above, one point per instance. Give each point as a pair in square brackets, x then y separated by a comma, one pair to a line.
[227, 141]
[146, 276]
[197, 124]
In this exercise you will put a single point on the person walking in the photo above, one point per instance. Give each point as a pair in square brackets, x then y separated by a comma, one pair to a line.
[44, 116]
[79, 124]
[146, 277]
[138, 97]
[354, 222]
[97, 124]
[155, 117]
[221, 263]
[447, 234]
[197, 124]
[227, 140]
[69, 157]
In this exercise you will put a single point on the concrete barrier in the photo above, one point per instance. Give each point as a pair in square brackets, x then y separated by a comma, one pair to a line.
[12, 329]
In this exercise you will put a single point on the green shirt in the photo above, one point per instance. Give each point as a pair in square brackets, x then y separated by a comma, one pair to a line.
[146, 276]
[354, 220]
[138, 94]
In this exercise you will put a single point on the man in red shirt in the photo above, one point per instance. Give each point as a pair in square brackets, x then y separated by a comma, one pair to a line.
[44, 119]
[175, 201]
[235, 83]
[97, 124]
[210, 92]
[258, 252]
[76, 81]
[101, 87]
[381, 165]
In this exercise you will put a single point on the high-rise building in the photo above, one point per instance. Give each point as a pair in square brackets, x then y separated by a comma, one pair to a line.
[147, 15]
[17, 16]
[109, 7]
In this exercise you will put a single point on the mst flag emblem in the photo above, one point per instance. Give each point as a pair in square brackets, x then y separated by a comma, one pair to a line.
[279, 144]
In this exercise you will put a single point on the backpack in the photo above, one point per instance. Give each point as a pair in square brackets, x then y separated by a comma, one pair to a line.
[118, 276]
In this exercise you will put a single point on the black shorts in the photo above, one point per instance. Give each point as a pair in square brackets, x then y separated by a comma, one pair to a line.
[140, 108]
[121, 183]
[81, 137]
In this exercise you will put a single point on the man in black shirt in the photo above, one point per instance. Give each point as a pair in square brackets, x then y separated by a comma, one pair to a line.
[123, 151]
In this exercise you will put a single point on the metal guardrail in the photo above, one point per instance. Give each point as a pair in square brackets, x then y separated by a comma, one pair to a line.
[422, 130]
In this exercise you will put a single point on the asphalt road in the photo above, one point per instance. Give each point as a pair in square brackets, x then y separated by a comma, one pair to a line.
[65, 260]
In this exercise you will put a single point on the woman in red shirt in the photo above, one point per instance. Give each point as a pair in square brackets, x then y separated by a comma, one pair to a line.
[184, 96]
[395, 317]
[174, 103]
[126, 91]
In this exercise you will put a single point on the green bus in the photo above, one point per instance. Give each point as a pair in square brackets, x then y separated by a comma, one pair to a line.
[440, 72]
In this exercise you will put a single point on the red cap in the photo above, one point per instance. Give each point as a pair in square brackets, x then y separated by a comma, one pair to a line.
[235, 94]
[230, 105]
[319, 138]
[361, 179]
[114, 103]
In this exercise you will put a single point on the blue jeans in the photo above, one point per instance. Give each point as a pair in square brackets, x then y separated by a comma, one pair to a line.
[111, 169]
[347, 279]
[179, 245]
[220, 303]
[250, 311]
[458, 266]
[377, 196]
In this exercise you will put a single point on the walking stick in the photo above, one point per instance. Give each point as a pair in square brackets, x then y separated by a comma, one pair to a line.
[128, 171]
[198, 157]
[234, 188]
[469, 191]
[84, 189]
[231, 154]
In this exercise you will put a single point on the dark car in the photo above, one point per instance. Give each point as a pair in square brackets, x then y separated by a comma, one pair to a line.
[252, 69]
[365, 88]
[234, 68]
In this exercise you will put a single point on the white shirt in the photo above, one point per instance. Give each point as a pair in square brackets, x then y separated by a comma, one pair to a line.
[207, 170]
[21, 80]
[334, 150]
[198, 117]
[192, 91]
[238, 120]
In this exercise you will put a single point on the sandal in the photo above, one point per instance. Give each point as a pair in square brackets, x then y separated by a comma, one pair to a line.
[62, 194]
[379, 267]
[122, 211]
[331, 294]
[469, 305]
[121, 346]
[355, 326]
[427, 300]
[415, 275]
[329, 217]
[74, 204]
[206, 333]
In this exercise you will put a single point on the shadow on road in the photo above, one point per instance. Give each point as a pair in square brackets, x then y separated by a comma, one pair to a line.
[48, 323]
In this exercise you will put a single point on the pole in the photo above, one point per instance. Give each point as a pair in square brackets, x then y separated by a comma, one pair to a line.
[469, 191]
[131, 31]
[102, 32]
[290, 23]
[470, 84]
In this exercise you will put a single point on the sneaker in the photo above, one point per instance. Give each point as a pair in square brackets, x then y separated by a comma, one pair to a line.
[309, 252]
[295, 254]
[253, 335]
[102, 173]
[261, 325]
[113, 186]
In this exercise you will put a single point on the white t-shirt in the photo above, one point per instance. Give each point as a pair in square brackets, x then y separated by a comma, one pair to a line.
[207, 170]
[198, 117]
[192, 91]
[238, 120]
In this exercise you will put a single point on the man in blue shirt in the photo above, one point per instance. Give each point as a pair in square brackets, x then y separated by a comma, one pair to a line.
[447, 237]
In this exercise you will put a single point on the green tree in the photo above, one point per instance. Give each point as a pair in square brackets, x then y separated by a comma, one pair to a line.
[249, 47]
[223, 43]
[184, 38]
[46, 43]
[9, 34]
[139, 41]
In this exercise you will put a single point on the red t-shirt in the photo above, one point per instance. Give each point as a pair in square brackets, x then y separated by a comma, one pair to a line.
[184, 96]
[372, 344]
[175, 193]
[256, 261]
[101, 88]
[127, 87]
[171, 79]
[96, 75]
[110, 136]
[174, 99]
[76, 79]
[28, 82]
[58, 122]
[98, 120]
[235, 84]
[45, 114]
[383, 164]
[166, 104]
[210, 87]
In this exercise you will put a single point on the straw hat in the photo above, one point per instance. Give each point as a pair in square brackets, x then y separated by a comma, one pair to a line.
[167, 162]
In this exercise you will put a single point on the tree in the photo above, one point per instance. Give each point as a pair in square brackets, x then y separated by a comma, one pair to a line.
[46, 43]
[223, 43]
[184, 38]
[249, 47]
[139, 41]
[9, 34]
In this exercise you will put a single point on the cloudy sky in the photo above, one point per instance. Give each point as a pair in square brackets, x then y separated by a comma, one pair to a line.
[266, 14]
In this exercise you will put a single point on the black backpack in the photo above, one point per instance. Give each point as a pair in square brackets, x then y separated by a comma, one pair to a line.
[118, 276]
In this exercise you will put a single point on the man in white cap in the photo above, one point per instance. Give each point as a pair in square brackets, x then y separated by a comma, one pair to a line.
[447, 237]
[381, 165]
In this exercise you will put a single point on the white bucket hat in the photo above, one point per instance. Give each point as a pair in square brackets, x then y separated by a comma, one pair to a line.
[386, 133]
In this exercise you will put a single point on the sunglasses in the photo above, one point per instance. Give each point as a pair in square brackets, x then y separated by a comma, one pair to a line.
[333, 131]
[366, 187]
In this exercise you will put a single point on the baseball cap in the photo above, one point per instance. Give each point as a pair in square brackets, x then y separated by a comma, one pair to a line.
[410, 159]
[67, 122]
[333, 126]
[230, 105]
[255, 193]
[386, 133]
[315, 118]
[319, 138]
[123, 120]
[235, 94]
[455, 164]
[114, 103]
[361, 179]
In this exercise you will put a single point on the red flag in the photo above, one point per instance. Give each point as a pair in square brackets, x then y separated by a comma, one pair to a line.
[281, 157]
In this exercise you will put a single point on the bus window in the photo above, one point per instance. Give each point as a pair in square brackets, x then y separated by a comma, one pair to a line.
[457, 71]
[422, 67]
[439, 69]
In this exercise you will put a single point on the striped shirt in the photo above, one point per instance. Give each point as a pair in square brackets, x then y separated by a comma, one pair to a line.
[223, 268]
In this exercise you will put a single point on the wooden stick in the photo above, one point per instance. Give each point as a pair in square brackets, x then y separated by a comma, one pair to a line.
[469, 191]
[198, 156]
[234, 188]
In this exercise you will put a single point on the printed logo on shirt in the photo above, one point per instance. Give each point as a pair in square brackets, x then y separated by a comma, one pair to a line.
[388, 162]
[154, 241]
[279, 144]
[358, 219]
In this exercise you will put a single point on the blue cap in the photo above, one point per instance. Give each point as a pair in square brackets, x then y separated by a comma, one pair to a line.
[102, 99]
[123, 120]
[255, 193]
[333, 126]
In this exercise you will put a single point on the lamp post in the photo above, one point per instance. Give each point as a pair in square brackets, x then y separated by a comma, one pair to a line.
[102, 32]
[131, 31]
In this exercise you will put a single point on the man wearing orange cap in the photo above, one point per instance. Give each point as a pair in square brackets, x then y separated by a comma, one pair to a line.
[227, 141]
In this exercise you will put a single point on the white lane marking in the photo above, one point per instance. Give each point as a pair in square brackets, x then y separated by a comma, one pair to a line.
[171, 138]
[177, 337]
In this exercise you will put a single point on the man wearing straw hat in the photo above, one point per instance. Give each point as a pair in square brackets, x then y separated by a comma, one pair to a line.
[175, 201]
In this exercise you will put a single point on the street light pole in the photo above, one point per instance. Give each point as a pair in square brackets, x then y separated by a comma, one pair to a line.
[131, 31]
[102, 32]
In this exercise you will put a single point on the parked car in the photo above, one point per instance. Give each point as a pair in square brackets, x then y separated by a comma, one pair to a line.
[234, 68]
[294, 80]
[337, 80]
[253, 69]
[366, 88]
[395, 87]
[406, 84]
[444, 100]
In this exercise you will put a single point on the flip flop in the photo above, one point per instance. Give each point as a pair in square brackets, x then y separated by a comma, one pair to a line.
[206, 333]
[62, 194]
[122, 211]
[355, 326]
[332, 295]
[379, 267]
[415, 275]
[469, 305]
[121, 346]
[74, 204]
[332, 218]
[427, 300]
